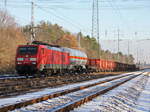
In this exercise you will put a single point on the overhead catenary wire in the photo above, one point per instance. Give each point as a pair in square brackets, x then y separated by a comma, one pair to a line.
[118, 12]
[62, 18]
[14, 2]
[25, 4]
[57, 16]
[67, 19]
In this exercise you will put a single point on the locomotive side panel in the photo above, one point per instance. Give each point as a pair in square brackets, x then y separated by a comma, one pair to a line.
[56, 58]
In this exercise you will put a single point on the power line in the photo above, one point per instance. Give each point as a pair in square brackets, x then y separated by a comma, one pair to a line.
[5, 4]
[19, 4]
[61, 18]
[116, 8]
[68, 20]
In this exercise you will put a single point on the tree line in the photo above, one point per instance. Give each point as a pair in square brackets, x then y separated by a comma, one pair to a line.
[55, 34]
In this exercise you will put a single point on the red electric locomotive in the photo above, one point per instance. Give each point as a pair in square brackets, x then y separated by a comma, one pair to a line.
[42, 57]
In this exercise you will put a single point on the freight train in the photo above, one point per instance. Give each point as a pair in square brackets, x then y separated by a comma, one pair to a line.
[47, 59]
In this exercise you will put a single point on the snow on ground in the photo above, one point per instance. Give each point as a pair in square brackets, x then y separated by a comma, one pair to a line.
[143, 103]
[55, 103]
[132, 96]
[29, 96]
[10, 76]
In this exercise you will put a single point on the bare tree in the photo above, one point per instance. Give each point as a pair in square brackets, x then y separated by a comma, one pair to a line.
[6, 20]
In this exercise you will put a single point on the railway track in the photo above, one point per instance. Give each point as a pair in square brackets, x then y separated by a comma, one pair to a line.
[10, 77]
[133, 96]
[68, 99]
[16, 85]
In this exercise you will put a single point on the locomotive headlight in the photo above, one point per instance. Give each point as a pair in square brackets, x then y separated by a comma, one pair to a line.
[19, 59]
[34, 63]
[32, 59]
[19, 63]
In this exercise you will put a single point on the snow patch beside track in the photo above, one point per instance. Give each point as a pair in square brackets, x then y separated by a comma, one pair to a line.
[125, 98]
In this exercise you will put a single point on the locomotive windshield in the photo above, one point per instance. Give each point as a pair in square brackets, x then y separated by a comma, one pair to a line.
[27, 50]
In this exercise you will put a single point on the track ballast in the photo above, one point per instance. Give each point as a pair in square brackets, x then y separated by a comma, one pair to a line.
[87, 93]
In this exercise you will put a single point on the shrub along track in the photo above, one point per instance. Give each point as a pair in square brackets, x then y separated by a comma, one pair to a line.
[17, 86]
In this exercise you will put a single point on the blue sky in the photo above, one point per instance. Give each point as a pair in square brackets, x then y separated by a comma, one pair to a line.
[75, 15]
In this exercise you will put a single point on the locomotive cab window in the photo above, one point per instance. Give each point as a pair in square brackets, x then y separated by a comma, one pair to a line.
[27, 50]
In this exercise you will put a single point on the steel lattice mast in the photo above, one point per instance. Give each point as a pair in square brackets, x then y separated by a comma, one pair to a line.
[95, 22]
[32, 22]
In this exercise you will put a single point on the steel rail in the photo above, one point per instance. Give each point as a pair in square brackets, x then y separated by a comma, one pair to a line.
[17, 86]
[53, 95]
[79, 102]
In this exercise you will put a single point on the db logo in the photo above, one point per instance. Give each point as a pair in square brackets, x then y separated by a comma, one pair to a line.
[26, 59]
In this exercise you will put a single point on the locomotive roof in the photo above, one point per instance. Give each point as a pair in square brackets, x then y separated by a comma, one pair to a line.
[42, 43]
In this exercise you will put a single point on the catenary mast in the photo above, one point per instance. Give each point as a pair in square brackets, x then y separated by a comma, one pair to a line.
[95, 22]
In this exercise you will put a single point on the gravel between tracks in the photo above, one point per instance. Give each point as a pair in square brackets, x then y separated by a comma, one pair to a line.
[55, 103]
[50, 90]
[13, 87]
